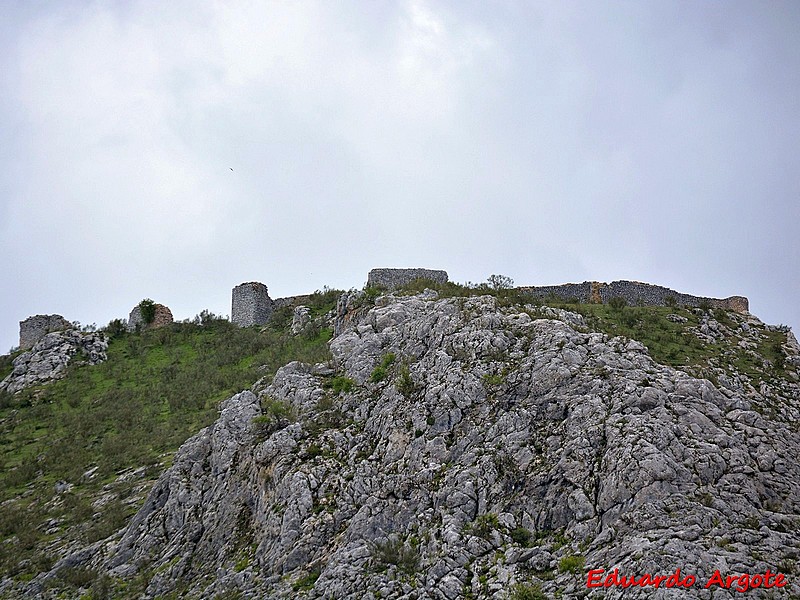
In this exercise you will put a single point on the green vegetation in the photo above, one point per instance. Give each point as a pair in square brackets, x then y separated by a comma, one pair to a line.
[380, 371]
[405, 384]
[6, 365]
[403, 555]
[484, 525]
[147, 308]
[306, 582]
[500, 282]
[157, 388]
[571, 564]
[524, 591]
[340, 384]
[493, 380]
[275, 414]
[522, 536]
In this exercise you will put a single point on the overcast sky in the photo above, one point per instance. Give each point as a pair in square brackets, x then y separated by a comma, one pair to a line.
[173, 150]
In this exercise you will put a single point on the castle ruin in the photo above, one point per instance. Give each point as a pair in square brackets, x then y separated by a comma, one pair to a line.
[394, 278]
[251, 304]
[161, 317]
[34, 328]
[634, 293]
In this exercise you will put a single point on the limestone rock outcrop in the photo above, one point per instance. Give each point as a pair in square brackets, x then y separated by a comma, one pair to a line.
[49, 357]
[464, 448]
[301, 318]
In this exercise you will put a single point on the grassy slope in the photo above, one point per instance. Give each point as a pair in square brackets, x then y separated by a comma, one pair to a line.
[156, 389]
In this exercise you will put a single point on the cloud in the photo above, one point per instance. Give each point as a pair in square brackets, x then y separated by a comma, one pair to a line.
[549, 142]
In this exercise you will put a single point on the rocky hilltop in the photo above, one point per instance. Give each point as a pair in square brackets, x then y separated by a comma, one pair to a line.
[474, 448]
[48, 358]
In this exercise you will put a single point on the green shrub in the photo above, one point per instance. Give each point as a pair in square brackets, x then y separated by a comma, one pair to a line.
[500, 282]
[524, 591]
[379, 372]
[281, 318]
[521, 536]
[492, 380]
[404, 556]
[147, 308]
[323, 301]
[77, 577]
[485, 524]
[274, 415]
[571, 564]
[313, 451]
[617, 303]
[115, 328]
[340, 384]
[404, 383]
[277, 410]
[306, 582]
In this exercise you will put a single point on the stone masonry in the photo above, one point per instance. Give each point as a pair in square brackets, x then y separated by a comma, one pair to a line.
[395, 278]
[162, 317]
[251, 304]
[634, 292]
[34, 328]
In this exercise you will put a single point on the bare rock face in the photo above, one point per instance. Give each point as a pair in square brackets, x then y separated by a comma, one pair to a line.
[463, 449]
[301, 318]
[49, 357]
[163, 317]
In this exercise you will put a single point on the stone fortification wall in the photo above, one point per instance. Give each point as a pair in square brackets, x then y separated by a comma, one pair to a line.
[251, 304]
[568, 291]
[395, 278]
[34, 328]
[163, 316]
[647, 294]
[634, 293]
[291, 301]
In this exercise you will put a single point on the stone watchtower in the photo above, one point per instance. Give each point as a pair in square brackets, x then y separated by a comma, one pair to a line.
[251, 304]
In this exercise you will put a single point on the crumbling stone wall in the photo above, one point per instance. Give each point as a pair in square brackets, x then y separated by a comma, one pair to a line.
[34, 328]
[646, 294]
[251, 304]
[395, 278]
[163, 316]
[567, 292]
[634, 293]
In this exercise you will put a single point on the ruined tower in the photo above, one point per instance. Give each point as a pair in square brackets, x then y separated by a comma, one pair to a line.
[251, 304]
[34, 328]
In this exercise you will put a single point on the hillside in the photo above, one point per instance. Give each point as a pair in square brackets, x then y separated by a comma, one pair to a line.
[448, 443]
